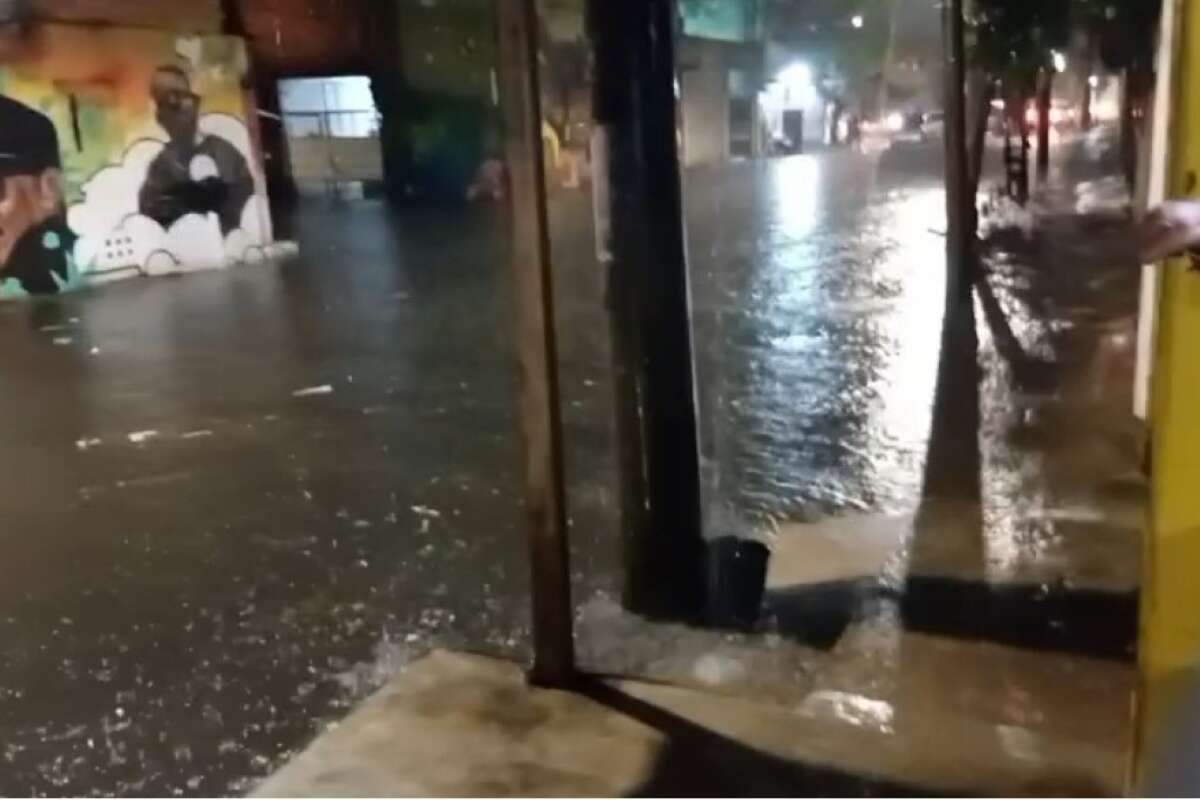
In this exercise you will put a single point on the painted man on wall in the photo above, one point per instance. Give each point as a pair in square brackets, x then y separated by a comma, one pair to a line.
[195, 173]
[35, 241]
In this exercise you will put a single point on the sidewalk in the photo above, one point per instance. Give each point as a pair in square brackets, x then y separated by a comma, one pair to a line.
[467, 726]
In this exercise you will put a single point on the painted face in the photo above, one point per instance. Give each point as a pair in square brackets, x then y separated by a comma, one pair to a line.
[26, 201]
[178, 107]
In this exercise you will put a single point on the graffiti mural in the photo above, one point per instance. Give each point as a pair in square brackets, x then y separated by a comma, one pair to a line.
[35, 241]
[125, 153]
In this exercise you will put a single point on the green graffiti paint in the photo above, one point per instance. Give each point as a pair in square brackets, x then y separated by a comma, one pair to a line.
[10, 289]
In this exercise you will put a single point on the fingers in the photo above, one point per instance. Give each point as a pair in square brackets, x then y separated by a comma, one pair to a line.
[1170, 230]
[1164, 242]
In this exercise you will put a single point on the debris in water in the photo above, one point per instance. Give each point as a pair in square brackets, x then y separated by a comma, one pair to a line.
[425, 511]
[63, 341]
[314, 391]
[87, 444]
[141, 437]
[197, 434]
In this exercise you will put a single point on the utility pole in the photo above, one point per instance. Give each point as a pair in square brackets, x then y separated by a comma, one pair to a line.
[889, 57]
[1045, 99]
[641, 244]
[537, 351]
[959, 200]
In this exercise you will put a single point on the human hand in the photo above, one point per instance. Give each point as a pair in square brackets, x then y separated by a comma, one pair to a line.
[1169, 230]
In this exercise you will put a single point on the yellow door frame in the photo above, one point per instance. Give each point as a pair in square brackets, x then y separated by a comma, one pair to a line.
[1169, 652]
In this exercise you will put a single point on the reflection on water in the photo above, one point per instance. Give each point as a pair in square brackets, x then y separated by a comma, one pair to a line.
[796, 200]
[827, 339]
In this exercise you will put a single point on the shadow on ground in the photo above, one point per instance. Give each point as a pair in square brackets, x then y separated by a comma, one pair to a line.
[948, 535]
[696, 762]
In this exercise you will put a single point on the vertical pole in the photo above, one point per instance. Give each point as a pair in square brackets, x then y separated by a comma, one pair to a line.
[1045, 98]
[541, 420]
[958, 196]
[641, 241]
[889, 57]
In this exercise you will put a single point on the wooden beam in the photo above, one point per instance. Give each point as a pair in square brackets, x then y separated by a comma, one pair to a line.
[540, 408]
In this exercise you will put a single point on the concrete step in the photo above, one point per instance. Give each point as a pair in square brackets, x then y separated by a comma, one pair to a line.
[462, 725]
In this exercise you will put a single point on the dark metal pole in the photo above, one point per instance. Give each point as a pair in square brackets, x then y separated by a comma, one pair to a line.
[1045, 98]
[640, 231]
[541, 420]
[959, 199]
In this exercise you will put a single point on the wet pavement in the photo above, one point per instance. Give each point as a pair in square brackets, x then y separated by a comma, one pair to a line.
[455, 725]
[236, 502]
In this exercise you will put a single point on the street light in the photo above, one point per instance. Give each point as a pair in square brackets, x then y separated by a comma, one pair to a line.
[1060, 62]
[857, 21]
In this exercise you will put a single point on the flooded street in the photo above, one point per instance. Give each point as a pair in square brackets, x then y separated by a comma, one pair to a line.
[238, 501]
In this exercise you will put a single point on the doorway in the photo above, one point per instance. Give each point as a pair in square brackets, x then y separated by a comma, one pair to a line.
[332, 127]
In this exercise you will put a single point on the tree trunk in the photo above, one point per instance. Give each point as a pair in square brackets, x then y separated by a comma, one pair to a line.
[959, 201]
[1016, 162]
[982, 91]
[1089, 91]
[888, 57]
[1129, 143]
[1045, 91]
[1023, 131]
[1085, 112]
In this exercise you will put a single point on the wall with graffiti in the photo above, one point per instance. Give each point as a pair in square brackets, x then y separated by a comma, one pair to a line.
[125, 152]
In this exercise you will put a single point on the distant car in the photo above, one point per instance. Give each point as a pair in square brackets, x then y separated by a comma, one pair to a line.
[1063, 116]
[933, 126]
[905, 126]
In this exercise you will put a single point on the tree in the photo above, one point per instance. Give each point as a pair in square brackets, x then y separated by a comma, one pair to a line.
[1123, 33]
[1014, 44]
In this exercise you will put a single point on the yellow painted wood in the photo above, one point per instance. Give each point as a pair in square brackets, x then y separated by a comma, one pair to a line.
[1170, 635]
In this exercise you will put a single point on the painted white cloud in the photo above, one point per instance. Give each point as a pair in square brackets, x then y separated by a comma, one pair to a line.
[247, 244]
[114, 235]
[109, 198]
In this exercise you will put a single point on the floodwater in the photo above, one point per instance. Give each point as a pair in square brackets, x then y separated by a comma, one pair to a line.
[235, 502]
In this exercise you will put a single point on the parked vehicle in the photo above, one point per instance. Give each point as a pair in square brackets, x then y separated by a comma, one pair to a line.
[933, 126]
